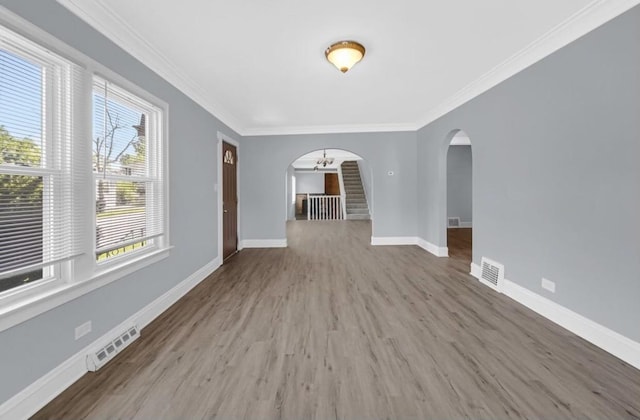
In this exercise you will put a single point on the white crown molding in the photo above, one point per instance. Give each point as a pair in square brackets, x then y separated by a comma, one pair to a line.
[612, 342]
[329, 129]
[102, 18]
[595, 14]
[105, 20]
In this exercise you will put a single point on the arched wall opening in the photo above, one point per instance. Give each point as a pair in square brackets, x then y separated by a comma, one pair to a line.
[457, 185]
[332, 184]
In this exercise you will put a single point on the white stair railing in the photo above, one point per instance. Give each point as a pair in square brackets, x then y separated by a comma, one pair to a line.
[324, 207]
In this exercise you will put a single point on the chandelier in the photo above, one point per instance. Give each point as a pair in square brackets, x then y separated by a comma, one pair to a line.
[324, 160]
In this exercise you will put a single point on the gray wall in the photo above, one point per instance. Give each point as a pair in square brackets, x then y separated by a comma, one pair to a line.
[265, 158]
[310, 183]
[290, 198]
[555, 188]
[555, 175]
[459, 183]
[367, 182]
[31, 349]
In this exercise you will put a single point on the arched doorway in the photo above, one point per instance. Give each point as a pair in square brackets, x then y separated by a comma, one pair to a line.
[459, 196]
[328, 186]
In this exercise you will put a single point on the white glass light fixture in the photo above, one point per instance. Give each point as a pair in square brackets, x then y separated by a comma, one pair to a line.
[345, 54]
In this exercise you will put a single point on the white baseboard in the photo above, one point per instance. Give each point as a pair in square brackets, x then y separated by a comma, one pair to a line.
[394, 240]
[462, 225]
[438, 251]
[618, 345]
[150, 312]
[475, 271]
[31, 399]
[263, 243]
[35, 396]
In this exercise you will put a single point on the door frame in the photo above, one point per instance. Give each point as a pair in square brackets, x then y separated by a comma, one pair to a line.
[224, 138]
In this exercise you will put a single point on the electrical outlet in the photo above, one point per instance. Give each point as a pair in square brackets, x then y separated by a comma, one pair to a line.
[82, 330]
[548, 285]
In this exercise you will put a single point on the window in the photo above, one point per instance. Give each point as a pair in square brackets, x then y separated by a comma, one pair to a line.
[36, 180]
[127, 171]
[82, 175]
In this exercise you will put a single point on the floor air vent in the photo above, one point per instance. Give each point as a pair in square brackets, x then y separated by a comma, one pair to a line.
[98, 358]
[454, 221]
[492, 274]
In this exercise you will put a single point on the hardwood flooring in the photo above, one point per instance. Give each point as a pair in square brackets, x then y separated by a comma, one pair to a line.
[332, 327]
[459, 244]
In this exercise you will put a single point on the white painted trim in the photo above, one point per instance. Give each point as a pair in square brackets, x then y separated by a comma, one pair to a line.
[35, 305]
[393, 240]
[438, 251]
[104, 19]
[19, 307]
[618, 345]
[476, 271]
[224, 138]
[35, 396]
[464, 225]
[329, 129]
[580, 23]
[264, 243]
[150, 312]
[31, 399]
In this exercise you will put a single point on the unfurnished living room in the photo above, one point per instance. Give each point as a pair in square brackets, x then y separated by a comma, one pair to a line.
[338, 209]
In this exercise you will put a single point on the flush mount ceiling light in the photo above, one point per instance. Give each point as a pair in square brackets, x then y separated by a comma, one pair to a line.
[344, 54]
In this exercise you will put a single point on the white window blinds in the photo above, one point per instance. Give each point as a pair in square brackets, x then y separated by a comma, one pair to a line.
[38, 218]
[127, 165]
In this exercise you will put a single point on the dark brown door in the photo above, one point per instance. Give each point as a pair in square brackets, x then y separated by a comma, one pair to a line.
[229, 200]
[331, 184]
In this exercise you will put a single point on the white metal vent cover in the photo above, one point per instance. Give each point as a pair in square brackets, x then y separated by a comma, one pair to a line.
[492, 273]
[97, 359]
[454, 221]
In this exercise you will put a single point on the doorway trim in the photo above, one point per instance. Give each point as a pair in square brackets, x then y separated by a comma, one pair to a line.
[443, 190]
[218, 186]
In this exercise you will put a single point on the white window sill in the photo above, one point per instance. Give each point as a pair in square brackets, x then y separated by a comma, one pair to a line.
[23, 310]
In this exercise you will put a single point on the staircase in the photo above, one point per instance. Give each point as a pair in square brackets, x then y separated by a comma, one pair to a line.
[357, 207]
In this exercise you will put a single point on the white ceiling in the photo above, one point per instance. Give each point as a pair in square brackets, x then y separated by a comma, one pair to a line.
[259, 65]
[460, 139]
[309, 161]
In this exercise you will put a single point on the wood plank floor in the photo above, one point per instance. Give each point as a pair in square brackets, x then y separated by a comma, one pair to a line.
[334, 328]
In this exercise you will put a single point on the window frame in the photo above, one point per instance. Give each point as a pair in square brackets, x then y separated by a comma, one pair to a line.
[81, 275]
[54, 72]
[154, 169]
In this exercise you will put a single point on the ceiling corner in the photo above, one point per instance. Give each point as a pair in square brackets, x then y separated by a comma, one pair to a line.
[106, 21]
[593, 15]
